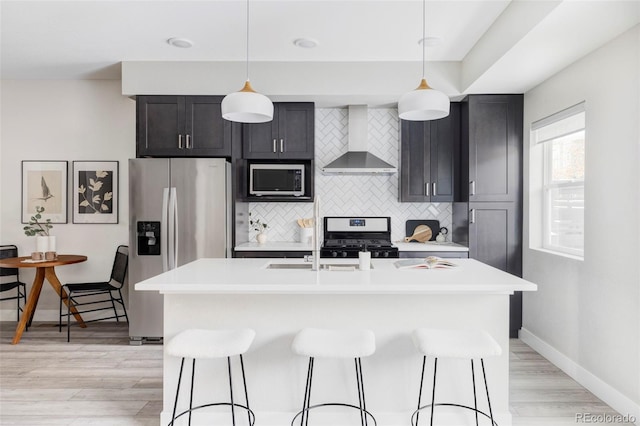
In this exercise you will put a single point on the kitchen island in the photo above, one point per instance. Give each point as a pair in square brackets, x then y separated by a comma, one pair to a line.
[278, 297]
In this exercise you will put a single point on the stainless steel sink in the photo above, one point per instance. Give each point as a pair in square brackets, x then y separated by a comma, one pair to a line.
[289, 266]
[342, 267]
[307, 266]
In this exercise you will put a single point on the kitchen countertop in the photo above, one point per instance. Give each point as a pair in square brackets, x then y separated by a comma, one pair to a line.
[251, 276]
[295, 246]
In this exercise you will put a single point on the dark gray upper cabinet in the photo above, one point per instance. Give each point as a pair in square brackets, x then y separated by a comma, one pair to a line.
[289, 136]
[427, 158]
[181, 126]
[492, 147]
[415, 152]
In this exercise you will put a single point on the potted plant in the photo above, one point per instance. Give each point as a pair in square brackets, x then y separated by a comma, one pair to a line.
[40, 229]
[260, 227]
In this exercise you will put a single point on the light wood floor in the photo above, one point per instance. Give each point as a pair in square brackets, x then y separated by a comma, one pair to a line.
[98, 379]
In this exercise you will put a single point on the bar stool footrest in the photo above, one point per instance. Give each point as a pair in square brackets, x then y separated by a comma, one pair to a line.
[446, 404]
[215, 404]
[334, 404]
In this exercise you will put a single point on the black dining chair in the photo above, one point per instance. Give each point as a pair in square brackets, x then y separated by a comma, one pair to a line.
[101, 295]
[10, 280]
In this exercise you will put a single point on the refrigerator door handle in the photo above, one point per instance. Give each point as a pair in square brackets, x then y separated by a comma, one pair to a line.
[175, 221]
[164, 243]
[172, 229]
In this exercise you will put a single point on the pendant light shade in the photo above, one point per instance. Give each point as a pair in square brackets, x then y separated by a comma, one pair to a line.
[247, 105]
[423, 103]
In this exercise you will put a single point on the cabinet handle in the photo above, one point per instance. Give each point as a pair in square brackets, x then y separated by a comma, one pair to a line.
[274, 146]
[473, 216]
[281, 145]
[180, 141]
[189, 146]
[426, 189]
[434, 189]
[472, 187]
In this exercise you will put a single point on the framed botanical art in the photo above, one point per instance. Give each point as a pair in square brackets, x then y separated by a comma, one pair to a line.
[95, 192]
[44, 184]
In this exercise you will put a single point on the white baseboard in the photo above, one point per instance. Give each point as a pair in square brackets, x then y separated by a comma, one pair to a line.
[614, 398]
[49, 315]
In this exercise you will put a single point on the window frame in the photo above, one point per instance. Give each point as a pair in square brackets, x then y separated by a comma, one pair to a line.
[548, 185]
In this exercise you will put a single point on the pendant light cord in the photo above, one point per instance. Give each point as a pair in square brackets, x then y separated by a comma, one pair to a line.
[424, 41]
[247, 65]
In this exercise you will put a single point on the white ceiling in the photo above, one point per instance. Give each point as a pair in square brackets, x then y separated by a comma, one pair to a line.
[495, 45]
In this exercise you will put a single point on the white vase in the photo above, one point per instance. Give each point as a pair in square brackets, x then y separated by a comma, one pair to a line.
[45, 243]
[42, 243]
[52, 243]
[262, 238]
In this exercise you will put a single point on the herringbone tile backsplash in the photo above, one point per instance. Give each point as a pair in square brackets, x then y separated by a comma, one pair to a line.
[351, 195]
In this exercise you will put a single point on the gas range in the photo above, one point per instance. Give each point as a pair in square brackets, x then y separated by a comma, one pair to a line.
[346, 236]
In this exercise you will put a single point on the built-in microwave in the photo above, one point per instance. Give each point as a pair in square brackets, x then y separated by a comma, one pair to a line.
[276, 179]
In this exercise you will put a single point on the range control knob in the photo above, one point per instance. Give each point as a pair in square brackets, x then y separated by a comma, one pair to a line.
[385, 254]
[344, 254]
[334, 254]
[375, 254]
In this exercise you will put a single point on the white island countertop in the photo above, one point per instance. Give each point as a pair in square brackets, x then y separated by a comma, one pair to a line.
[252, 276]
[391, 302]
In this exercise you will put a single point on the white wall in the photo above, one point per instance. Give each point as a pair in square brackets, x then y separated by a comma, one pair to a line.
[64, 120]
[585, 316]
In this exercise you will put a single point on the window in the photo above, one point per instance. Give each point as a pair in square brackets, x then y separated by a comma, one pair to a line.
[562, 137]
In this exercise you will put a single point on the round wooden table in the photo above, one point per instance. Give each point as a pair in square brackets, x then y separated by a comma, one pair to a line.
[45, 269]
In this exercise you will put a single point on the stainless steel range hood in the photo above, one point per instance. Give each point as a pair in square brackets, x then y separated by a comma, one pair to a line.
[358, 159]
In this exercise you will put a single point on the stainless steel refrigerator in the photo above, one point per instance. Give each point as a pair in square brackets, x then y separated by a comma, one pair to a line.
[179, 211]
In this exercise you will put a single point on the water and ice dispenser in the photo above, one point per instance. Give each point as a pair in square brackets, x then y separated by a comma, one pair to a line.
[149, 238]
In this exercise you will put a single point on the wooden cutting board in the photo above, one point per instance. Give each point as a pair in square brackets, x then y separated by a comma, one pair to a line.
[434, 225]
[421, 234]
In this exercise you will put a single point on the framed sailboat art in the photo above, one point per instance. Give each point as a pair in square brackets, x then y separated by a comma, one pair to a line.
[44, 184]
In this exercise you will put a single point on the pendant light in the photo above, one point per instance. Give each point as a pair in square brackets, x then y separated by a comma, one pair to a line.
[423, 103]
[247, 105]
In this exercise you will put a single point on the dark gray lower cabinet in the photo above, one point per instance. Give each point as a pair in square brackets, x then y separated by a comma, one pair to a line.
[495, 231]
[443, 254]
[267, 254]
[494, 235]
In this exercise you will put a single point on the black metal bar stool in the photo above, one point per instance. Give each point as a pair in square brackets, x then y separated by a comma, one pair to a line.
[461, 344]
[322, 343]
[210, 344]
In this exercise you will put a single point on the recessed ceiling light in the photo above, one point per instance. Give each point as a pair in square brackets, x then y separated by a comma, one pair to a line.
[306, 43]
[180, 42]
[430, 41]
